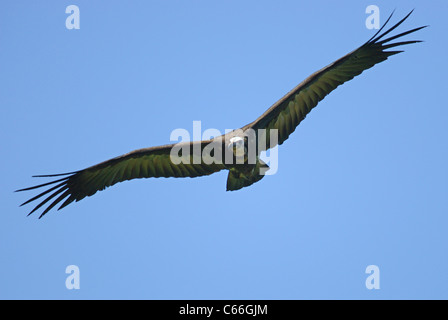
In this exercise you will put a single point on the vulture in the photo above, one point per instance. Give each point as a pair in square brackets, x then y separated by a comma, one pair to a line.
[233, 151]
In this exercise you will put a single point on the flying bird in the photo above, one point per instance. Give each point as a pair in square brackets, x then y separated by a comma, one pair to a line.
[283, 117]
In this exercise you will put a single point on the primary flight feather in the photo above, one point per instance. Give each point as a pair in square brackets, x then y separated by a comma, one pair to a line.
[283, 117]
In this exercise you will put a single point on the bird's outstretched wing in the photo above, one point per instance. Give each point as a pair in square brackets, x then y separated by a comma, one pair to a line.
[286, 114]
[144, 163]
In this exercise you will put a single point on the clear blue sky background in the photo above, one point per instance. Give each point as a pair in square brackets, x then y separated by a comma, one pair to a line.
[362, 181]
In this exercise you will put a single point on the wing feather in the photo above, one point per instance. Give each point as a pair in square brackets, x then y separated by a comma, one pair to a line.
[288, 112]
[144, 163]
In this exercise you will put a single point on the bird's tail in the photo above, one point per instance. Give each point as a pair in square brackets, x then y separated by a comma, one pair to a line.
[238, 179]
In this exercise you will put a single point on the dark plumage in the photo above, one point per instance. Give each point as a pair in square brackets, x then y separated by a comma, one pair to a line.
[285, 115]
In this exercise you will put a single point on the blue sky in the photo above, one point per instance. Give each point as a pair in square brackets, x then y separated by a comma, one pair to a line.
[362, 181]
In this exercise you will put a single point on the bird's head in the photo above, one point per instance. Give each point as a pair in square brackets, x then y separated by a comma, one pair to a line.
[238, 146]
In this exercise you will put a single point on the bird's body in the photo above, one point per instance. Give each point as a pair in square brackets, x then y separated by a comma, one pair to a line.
[231, 151]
